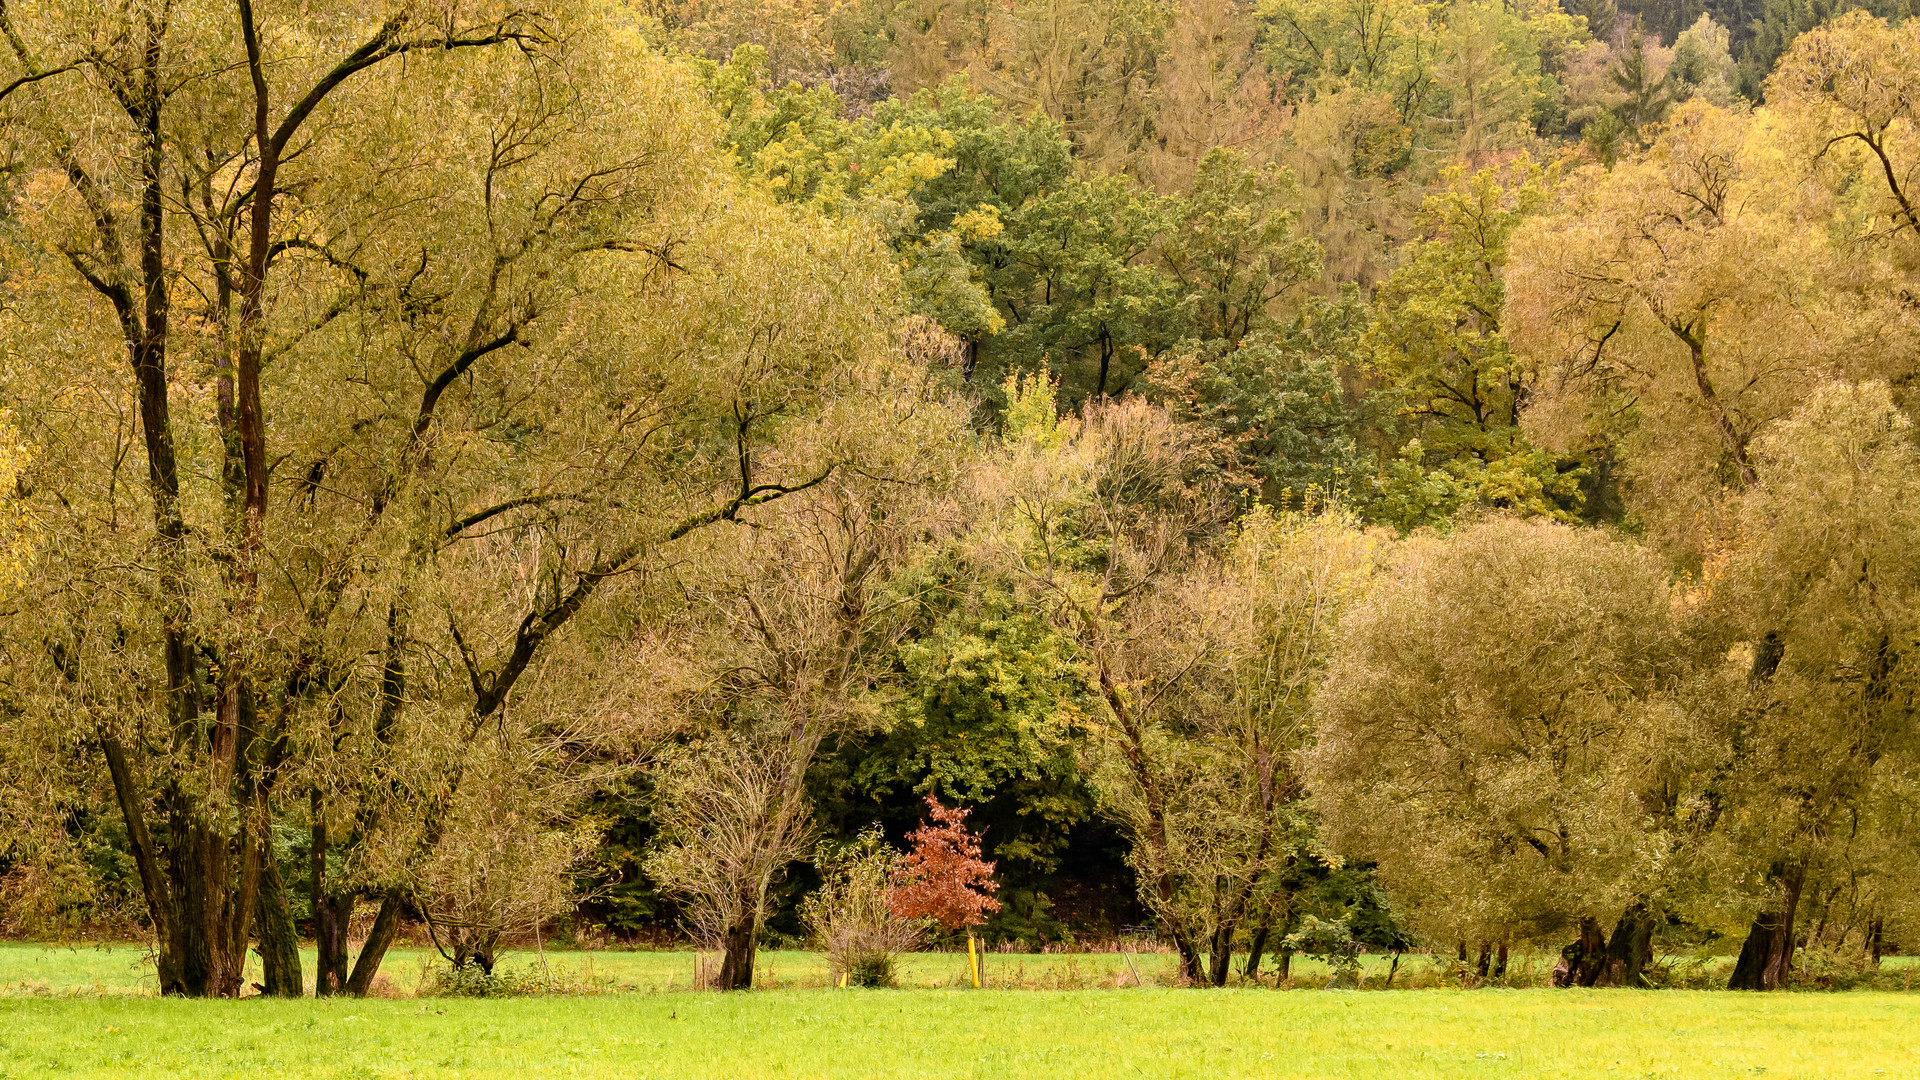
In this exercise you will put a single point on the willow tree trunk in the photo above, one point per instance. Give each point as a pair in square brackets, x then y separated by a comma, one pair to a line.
[1630, 950]
[1767, 957]
[737, 953]
[386, 927]
[1220, 955]
[1583, 962]
[330, 912]
[1258, 945]
[330, 915]
[279, 945]
[214, 877]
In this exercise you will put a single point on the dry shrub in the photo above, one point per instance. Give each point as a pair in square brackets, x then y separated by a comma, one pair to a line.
[731, 818]
[506, 865]
[852, 913]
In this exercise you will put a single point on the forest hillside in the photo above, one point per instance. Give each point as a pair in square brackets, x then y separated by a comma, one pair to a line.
[1283, 477]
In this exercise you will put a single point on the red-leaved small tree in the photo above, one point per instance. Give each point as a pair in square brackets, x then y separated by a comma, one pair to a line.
[943, 877]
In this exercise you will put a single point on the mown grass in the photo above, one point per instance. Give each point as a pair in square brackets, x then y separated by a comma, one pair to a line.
[959, 1033]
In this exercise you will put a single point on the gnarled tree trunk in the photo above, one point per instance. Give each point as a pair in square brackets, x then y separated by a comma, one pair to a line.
[738, 946]
[1767, 957]
[1583, 962]
[1630, 950]
[279, 946]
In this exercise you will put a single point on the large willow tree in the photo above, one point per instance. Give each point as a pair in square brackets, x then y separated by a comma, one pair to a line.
[359, 348]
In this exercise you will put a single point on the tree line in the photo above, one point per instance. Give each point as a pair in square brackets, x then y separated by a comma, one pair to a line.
[1402, 474]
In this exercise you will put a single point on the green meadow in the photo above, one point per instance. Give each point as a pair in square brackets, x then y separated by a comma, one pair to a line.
[88, 1011]
[991, 1033]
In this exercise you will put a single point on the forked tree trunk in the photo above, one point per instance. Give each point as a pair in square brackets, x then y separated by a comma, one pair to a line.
[200, 891]
[1220, 956]
[1767, 957]
[1630, 950]
[1220, 949]
[279, 945]
[1584, 961]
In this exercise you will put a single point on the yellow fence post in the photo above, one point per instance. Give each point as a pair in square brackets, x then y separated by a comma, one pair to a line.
[973, 961]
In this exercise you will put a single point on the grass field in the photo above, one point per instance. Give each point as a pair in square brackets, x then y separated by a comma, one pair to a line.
[87, 1011]
[1106, 1034]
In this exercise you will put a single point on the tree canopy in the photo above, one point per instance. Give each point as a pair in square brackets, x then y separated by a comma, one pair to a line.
[1304, 475]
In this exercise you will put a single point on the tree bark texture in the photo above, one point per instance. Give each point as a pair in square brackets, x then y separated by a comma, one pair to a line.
[1630, 950]
[737, 953]
[1583, 962]
[386, 926]
[1766, 959]
[279, 945]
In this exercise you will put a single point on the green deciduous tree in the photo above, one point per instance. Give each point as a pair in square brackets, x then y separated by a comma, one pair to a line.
[1438, 343]
[1500, 726]
[1821, 583]
[390, 397]
[1234, 248]
[1674, 312]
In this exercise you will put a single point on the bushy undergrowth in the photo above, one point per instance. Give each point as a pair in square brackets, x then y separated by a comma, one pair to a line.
[852, 915]
[473, 981]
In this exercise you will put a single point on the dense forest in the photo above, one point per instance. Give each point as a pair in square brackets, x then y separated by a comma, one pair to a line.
[1306, 475]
